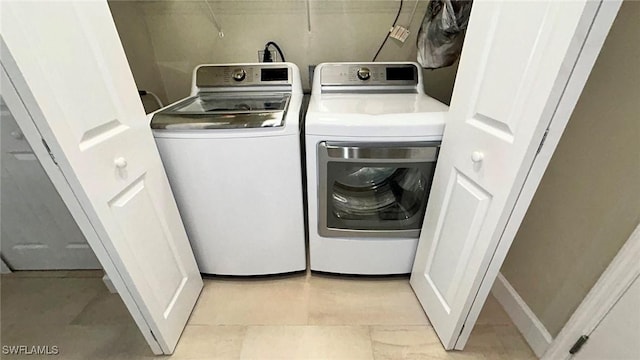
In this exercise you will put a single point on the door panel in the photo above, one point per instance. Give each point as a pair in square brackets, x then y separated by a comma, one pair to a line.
[456, 236]
[506, 88]
[72, 74]
[165, 282]
[503, 77]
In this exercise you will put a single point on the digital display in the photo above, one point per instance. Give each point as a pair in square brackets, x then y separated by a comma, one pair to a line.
[276, 74]
[401, 73]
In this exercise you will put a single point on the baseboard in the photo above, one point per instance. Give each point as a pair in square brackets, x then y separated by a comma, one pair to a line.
[109, 284]
[4, 269]
[523, 318]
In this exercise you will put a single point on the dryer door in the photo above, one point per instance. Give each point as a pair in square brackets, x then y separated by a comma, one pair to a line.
[374, 190]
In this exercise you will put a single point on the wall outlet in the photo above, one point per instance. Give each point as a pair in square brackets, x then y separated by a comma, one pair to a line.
[274, 55]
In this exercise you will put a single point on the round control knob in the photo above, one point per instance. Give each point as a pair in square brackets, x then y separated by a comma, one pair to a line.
[364, 73]
[239, 74]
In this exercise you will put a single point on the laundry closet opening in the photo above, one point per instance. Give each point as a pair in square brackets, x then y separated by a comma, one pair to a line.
[162, 55]
[372, 137]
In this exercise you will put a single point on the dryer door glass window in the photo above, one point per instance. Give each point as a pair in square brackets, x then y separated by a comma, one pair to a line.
[375, 197]
[366, 197]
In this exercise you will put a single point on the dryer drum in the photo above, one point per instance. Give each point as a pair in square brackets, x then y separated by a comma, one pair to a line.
[366, 178]
[383, 194]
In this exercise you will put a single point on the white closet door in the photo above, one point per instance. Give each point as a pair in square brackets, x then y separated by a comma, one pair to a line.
[511, 74]
[616, 337]
[70, 71]
[38, 232]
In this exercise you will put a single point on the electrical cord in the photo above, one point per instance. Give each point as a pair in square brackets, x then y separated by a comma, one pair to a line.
[388, 32]
[266, 57]
[155, 97]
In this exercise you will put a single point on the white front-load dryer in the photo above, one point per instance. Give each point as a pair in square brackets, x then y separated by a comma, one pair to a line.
[372, 140]
[232, 155]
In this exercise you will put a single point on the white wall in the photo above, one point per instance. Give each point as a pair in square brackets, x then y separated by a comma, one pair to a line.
[165, 40]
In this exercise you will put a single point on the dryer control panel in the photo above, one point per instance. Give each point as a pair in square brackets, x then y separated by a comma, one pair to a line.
[369, 74]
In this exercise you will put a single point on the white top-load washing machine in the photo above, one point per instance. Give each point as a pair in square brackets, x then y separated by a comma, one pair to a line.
[232, 154]
[372, 139]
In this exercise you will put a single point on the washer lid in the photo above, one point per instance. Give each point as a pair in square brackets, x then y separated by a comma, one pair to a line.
[224, 111]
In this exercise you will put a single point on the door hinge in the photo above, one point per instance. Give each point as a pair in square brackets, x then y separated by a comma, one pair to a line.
[578, 345]
[544, 137]
[46, 146]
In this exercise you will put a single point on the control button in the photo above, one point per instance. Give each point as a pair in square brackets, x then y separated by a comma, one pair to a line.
[239, 74]
[364, 73]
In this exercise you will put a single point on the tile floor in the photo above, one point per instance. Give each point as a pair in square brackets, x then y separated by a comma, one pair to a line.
[292, 317]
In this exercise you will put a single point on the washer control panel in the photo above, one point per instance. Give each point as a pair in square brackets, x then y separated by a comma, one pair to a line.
[243, 75]
[365, 74]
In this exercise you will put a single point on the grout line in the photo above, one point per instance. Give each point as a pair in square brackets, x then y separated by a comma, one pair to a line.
[371, 343]
[244, 339]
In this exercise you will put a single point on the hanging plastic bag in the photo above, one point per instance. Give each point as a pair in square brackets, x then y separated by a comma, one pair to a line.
[442, 32]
